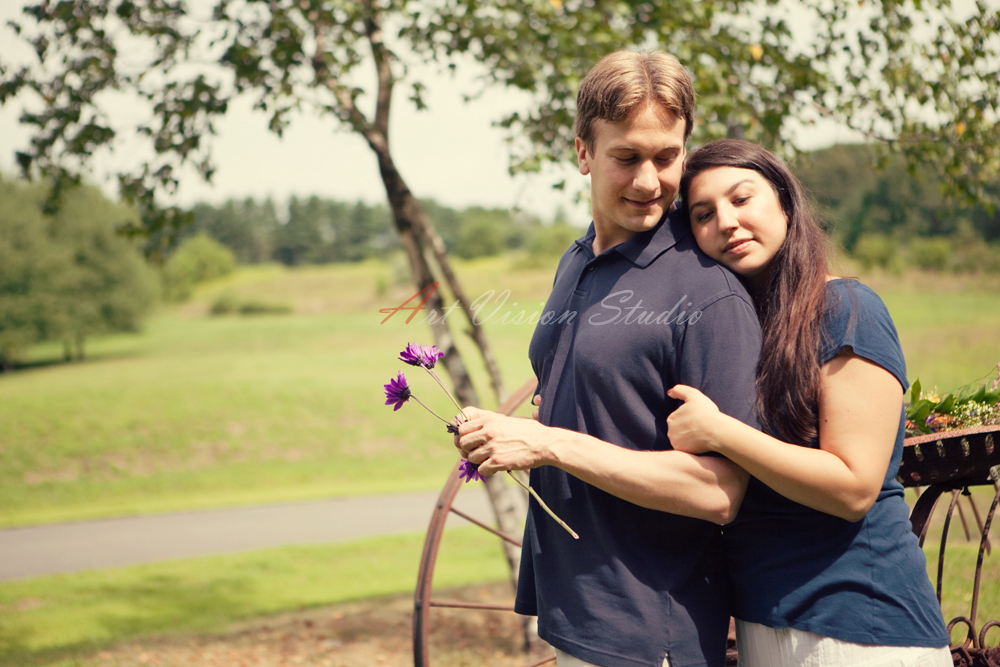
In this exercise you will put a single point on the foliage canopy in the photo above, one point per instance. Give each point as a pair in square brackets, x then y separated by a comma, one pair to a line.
[919, 76]
[66, 276]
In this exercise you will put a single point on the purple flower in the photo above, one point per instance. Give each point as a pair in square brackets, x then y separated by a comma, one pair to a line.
[453, 429]
[469, 471]
[420, 355]
[397, 391]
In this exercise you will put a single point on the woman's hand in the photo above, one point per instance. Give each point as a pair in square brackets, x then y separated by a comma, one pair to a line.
[537, 402]
[498, 443]
[690, 427]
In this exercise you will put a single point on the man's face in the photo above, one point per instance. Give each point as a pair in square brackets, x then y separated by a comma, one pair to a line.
[635, 171]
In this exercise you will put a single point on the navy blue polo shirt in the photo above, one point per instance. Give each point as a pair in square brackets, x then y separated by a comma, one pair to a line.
[618, 331]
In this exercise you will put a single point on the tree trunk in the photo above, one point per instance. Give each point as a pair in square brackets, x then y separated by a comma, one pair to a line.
[407, 213]
[432, 239]
[417, 235]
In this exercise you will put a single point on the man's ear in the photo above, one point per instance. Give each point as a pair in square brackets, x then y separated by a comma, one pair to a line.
[581, 156]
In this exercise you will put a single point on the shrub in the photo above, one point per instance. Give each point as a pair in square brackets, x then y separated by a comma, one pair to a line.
[976, 256]
[228, 304]
[197, 260]
[875, 250]
[224, 304]
[930, 253]
[481, 236]
[264, 308]
[553, 240]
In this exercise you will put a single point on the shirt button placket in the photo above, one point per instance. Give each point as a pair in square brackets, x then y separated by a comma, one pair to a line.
[586, 279]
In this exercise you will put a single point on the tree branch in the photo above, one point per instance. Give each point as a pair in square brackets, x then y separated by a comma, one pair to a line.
[383, 66]
[378, 138]
[348, 111]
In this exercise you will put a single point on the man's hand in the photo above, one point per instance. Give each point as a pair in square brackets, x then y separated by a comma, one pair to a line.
[690, 427]
[499, 443]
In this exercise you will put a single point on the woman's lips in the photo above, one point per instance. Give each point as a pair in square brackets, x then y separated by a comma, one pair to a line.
[736, 247]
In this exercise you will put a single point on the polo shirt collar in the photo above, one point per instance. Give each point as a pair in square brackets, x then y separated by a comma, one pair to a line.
[644, 247]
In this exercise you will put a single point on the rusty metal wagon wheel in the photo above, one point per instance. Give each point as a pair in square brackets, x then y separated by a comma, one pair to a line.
[952, 462]
[423, 600]
[944, 462]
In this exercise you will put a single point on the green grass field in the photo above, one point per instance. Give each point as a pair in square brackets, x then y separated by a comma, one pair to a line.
[46, 620]
[202, 411]
[199, 411]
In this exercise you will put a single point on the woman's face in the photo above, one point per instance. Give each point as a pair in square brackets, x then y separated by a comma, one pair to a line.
[736, 218]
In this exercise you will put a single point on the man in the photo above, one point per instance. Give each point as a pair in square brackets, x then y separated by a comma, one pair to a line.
[635, 309]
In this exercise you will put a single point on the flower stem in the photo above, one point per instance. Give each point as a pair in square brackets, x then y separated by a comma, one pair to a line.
[429, 410]
[544, 506]
[434, 375]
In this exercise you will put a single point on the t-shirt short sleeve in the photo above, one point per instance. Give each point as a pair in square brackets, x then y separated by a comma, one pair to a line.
[857, 318]
[717, 353]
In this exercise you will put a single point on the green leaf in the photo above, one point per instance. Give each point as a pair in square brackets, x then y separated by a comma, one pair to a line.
[919, 411]
[946, 405]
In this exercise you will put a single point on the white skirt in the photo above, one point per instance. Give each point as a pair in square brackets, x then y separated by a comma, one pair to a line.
[761, 646]
[564, 659]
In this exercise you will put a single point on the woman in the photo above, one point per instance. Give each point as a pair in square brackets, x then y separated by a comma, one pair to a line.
[825, 568]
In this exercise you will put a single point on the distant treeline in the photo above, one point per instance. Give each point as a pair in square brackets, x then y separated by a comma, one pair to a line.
[885, 218]
[65, 275]
[314, 230]
[890, 218]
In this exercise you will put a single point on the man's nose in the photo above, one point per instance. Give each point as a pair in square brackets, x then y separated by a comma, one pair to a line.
[646, 178]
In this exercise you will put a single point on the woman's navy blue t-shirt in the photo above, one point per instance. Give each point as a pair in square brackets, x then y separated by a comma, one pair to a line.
[864, 582]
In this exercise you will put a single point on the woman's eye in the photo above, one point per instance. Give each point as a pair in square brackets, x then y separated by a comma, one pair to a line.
[740, 200]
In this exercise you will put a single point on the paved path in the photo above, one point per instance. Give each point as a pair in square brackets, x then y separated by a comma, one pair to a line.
[71, 547]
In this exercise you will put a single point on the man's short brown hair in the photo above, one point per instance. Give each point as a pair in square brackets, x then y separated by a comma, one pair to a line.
[623, 81]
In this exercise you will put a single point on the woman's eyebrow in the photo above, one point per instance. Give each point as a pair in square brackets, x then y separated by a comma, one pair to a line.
[728, 192]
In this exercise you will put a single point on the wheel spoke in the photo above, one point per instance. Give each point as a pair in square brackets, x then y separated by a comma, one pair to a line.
[502, 536]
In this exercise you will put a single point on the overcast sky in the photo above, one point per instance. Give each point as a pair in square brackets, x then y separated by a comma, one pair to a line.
[450, 152]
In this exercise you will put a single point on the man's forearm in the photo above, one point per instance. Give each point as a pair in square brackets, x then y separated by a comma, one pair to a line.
[703, 487]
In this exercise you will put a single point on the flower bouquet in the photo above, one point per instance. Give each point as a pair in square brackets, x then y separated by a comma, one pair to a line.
[967, 407]
[952, 438]
[398, 392]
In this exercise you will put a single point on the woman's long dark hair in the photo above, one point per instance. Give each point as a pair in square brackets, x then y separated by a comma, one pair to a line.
[791, 298]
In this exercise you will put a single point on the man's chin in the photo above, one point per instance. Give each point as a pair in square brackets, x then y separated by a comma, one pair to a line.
[648, 221]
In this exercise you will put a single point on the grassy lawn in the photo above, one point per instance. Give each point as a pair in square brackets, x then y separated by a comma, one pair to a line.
[200, 411]
[949, 328]
[55, 619]
[73, 620]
